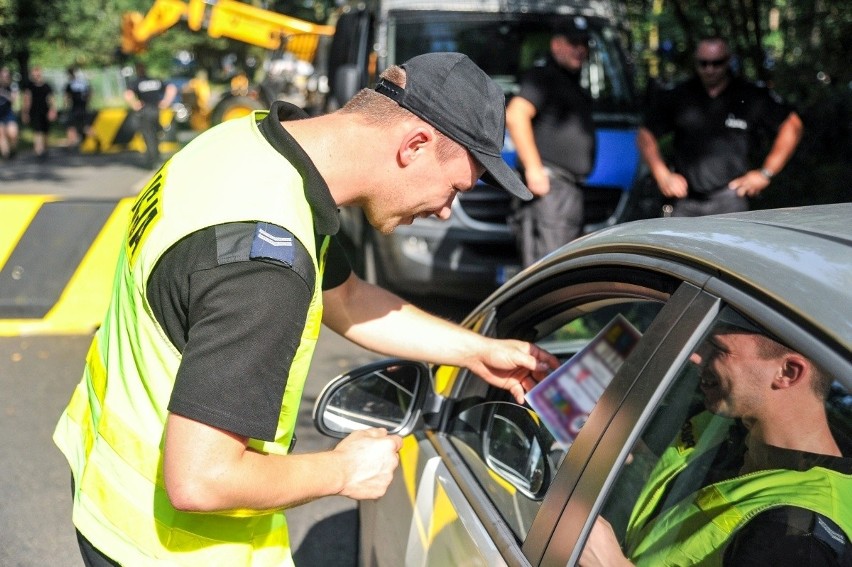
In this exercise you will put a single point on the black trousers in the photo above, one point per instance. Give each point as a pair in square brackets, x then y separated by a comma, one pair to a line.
[720, 201]
[545, 223]
[148, 122]
[92, 557]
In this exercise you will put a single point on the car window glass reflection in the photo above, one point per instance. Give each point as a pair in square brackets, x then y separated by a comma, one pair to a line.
[381, 399]
[746, 461]
[511, 452]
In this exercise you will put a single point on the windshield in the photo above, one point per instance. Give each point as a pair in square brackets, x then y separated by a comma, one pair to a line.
[506, 45]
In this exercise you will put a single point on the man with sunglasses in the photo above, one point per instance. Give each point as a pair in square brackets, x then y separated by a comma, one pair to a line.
[717, 120]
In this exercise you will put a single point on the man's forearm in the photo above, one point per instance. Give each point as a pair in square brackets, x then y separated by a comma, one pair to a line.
[211, 470]
[380, 321]
[786, 142]
[649, 149]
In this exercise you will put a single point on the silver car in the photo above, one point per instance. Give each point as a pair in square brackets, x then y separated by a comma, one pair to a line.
[485, 481]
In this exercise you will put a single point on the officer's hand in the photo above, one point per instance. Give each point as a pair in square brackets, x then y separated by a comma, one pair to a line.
[673, 185]
[368, 458]
[512, 365]
[537, 181]
[602, 548]
[750, 184]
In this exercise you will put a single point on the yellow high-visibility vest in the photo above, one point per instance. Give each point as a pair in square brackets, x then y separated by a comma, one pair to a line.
[112, 430]
[696, 530]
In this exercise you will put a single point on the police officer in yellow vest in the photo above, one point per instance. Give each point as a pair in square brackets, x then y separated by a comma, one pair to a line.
[179, 434]
[779, 489]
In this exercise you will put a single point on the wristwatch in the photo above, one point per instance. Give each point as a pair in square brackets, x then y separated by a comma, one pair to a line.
[767, 173]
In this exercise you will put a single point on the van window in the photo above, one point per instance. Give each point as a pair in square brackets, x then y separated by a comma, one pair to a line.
[507, 45]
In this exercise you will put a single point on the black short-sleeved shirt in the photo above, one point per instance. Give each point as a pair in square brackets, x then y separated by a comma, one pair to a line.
[78, 93]
[786, 535]
[149, 91]
[39, 96]
[563, 127]
[238, 321]
[714, 138]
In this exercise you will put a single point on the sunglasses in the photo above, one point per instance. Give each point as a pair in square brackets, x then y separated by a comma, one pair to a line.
[711, 62]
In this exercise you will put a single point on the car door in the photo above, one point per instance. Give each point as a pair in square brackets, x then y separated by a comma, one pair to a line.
[452, 502]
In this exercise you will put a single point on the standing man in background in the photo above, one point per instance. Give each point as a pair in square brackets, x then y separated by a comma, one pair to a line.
[77, 94]
[8, 121]
[717, 120]
[550, 123]
[38, 110]
[147, 96]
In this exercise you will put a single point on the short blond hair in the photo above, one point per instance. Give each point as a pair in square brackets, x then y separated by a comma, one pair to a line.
[379, 110]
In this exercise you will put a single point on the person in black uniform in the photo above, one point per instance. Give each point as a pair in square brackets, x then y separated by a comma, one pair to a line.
[237, 299]
[77, 94]
[147, 96]
[550, 123]
[717, 120]
[38, 110]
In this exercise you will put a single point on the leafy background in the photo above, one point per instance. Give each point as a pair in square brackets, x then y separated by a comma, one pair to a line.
[800, 48]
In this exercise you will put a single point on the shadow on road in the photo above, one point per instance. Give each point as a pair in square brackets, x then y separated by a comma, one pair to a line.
[331, 542]
[52, 168]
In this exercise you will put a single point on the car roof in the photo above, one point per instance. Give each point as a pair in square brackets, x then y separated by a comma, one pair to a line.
[799, 257]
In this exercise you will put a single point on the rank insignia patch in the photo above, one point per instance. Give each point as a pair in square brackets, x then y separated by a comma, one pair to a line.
[272, 242]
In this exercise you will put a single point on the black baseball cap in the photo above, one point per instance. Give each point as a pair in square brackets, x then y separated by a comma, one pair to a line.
[575, 29]
[450, 92]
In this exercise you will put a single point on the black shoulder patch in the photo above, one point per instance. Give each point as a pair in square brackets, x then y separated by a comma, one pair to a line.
[233, 242]
[830, 534]
[264, 242]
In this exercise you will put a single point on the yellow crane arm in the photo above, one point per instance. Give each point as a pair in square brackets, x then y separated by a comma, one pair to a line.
[137, 30]
[225, 18]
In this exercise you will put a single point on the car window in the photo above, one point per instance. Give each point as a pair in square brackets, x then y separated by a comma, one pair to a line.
[740, 457]
[521, 42]
[511, 450]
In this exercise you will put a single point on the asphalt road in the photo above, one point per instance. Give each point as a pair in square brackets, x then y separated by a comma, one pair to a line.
[38, 374]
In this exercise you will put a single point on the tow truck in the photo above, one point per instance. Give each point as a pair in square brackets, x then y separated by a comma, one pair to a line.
[289, 69]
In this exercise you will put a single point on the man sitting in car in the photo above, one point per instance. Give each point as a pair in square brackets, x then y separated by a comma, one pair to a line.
[775, 486]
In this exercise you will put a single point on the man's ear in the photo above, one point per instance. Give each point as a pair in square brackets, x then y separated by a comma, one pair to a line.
[414, 143]
[791, 371]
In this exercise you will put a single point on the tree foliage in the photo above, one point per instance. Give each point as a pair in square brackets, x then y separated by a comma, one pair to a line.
[800, 48]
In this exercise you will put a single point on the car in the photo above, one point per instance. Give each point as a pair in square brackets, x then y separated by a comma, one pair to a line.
[483, 480]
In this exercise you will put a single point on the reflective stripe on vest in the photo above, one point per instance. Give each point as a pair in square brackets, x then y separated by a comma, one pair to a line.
[696, 530]
[112, 430]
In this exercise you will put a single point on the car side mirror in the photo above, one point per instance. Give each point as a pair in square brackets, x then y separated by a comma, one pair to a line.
[388, 394]
[514, 445]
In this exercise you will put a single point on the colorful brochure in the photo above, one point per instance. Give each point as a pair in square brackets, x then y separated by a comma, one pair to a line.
[566, 397]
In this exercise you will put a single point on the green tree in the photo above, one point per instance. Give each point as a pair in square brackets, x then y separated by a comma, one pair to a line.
[20, 22]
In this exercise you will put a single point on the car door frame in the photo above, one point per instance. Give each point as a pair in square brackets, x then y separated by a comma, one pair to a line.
[532, 549]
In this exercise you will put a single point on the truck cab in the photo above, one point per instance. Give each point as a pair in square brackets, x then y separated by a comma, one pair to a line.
[474, 252]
